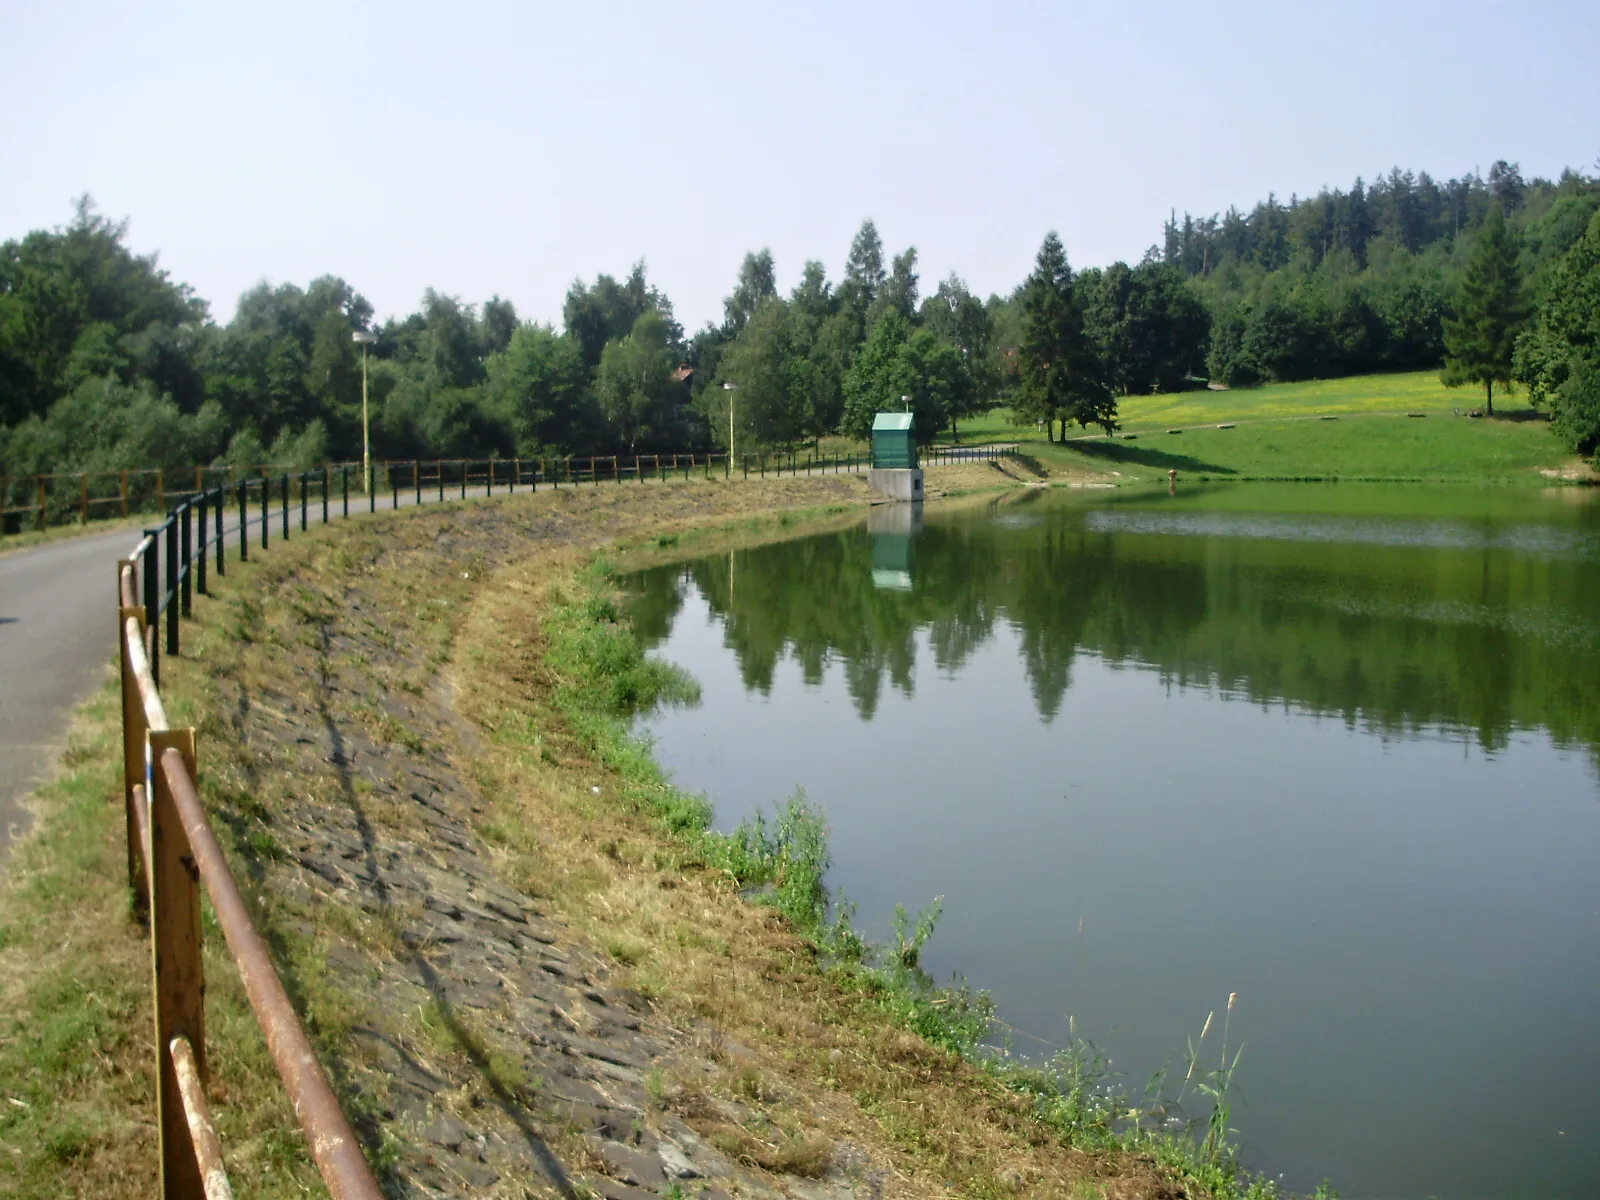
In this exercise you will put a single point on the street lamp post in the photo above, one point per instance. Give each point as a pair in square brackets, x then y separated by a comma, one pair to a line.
[365, 339]
[729, 388]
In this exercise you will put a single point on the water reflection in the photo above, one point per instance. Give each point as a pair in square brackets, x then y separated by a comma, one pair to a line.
[893, 529]
[1483, 621]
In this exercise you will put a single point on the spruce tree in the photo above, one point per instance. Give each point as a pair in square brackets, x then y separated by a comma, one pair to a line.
[1061, 373]
[1480, 339]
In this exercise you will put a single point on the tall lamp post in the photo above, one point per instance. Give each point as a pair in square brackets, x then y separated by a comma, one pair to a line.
[365, 339]
[729, 388]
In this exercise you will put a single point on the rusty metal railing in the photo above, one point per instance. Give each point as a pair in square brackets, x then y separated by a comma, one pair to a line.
[172, 854]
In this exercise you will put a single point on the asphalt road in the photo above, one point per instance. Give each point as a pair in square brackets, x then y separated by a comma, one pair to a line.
[57, 640]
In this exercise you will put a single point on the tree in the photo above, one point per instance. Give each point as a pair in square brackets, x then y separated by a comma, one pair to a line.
[81, 284]
[898, 293]
[962, 320]
[1559, 357]
[539, 384]
[1479, 340]
[498, 323]
[454, 358]
[812, 298]
[638, 396]
[1060, 373]
[871, 383]
[770, 381]
[757, 281]
[1149, 327]
[333, 377]
[831, 352]
[934, 374]
[863, 269]
[901, 367]
[1506, 186]
[607, 311]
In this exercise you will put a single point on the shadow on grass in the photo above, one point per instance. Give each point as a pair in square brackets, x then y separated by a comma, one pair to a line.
[1147, 456]
[1030, 464]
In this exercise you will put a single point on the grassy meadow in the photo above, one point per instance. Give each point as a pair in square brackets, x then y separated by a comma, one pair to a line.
[1352, 429]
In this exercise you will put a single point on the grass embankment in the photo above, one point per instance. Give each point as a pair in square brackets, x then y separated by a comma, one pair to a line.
[1280, 432]
[383, 634]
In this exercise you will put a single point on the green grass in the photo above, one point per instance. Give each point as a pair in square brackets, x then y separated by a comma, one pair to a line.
[1280, 432]
[76, 1052]
[1418, 391]
[1364, 447]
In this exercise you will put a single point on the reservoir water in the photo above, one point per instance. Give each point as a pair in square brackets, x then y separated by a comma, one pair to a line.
[1335, 749]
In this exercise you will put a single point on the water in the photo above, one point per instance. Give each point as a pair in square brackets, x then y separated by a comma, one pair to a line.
[1335, 749]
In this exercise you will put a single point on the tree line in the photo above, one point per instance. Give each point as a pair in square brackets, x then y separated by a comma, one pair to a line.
[1491, 276]
[107, 362]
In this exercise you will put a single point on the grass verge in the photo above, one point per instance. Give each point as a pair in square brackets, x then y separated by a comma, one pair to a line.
[77, 1081]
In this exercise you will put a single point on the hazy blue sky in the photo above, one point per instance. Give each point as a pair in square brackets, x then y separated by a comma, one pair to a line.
[503, 147]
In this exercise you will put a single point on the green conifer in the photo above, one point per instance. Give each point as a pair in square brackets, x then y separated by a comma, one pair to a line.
[1480, 339]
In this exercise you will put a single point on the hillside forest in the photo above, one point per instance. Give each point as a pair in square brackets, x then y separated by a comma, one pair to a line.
[106, 362]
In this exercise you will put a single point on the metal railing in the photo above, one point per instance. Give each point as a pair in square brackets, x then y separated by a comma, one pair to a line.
[61, 497]
[40, 501]
[172, 853]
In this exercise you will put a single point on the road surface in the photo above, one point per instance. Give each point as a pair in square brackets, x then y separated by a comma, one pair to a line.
[57, 635]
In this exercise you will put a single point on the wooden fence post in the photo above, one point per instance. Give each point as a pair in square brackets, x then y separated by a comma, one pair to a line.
[43, 499]
[178, 971]
[133, 743]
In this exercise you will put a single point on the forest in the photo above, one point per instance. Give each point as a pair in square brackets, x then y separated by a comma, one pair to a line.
[106, 362]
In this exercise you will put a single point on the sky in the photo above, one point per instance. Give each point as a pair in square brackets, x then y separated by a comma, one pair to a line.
[508, 148]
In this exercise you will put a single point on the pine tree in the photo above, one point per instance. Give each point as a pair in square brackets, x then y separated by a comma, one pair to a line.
[1061, 373]
[1479, 341]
